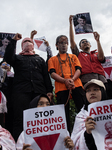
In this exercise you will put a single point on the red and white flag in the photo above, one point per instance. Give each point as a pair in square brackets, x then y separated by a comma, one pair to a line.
[107, 66]
[39, 44]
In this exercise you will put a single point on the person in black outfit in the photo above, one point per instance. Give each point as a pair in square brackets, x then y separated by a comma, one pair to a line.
[30, 79]
[6, 88]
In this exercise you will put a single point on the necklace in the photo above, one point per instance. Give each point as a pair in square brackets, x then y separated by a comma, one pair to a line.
[63, 61]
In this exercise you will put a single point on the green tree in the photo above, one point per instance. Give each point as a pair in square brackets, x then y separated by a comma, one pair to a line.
[72, 109]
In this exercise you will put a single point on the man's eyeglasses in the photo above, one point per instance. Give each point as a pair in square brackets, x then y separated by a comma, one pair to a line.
[5, 64]
[63, 42]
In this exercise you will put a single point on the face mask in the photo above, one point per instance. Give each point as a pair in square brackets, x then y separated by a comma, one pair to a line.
[28, 47]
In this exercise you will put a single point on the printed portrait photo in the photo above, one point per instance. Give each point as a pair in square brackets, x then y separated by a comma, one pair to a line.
[108, 137]
[82, 23]
[5, 38]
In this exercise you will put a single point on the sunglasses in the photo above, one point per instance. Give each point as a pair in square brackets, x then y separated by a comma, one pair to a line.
[5, 64]
[85, 41]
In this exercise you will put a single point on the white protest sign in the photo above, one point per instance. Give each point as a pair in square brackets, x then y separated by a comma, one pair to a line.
[102, 114]
[39, 44]
[107, 66]
[45, 127]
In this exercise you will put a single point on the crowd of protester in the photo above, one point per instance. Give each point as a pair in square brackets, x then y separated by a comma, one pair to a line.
[76, 75]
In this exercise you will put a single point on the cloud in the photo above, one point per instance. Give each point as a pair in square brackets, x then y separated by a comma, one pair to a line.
[50, 19]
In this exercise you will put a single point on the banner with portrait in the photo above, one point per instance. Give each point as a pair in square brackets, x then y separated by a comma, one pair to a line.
[5, 38]
[102, 115]
[82, 23]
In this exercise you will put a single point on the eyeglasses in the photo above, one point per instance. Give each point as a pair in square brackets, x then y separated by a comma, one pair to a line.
[63, 43]
[5, 64]
[85, 41]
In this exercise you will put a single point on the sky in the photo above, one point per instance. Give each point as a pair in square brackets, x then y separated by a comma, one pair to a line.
[51, 18]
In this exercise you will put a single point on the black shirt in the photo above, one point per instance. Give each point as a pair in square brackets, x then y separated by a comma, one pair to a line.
[30, 71]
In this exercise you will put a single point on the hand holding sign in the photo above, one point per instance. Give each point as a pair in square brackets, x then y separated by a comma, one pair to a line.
[46, 42]
[70, 19]
[69, 143]
[90, 124]
[96, 36]
[26, 147]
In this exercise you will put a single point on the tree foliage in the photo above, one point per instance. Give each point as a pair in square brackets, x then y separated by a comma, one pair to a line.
[72, 111]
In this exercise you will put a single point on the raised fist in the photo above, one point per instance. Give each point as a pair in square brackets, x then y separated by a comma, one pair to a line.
[17, 37]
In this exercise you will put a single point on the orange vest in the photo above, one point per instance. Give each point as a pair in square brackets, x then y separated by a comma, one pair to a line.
[53, 63]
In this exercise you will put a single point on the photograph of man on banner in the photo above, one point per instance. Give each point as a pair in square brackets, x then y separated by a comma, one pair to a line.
[82, 23]
[5, 38]
[101, 127]
[108, 137]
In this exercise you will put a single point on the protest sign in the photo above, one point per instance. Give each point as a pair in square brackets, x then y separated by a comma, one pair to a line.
[5, 38]
[39, 44]
[45, 127]
[107, 66]
[102, 115]
[82, 23]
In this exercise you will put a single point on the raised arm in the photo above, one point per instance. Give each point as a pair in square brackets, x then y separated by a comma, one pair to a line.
[33, 33]
[100, 50]
[72, 41]
[46, 77]
[48, 49]
[10, 49]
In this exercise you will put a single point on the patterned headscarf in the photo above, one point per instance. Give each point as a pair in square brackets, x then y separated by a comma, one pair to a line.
[27, 47]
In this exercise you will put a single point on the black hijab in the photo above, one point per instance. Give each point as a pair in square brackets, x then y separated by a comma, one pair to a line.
[34, 102]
